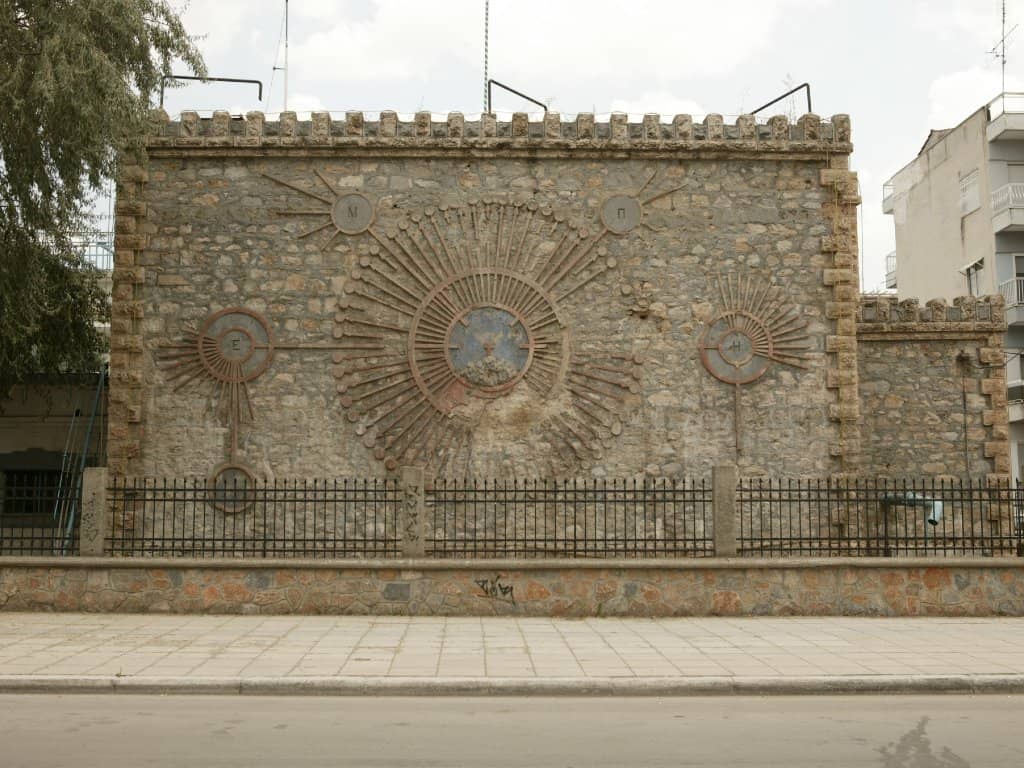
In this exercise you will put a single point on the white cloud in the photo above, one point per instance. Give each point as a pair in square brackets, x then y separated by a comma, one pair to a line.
[953, 97]
[537, 41]
[967, 22]
[304, 102]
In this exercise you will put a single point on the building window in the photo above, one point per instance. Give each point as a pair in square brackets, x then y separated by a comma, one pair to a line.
[974, 278]
[970, 200]
[29, 496]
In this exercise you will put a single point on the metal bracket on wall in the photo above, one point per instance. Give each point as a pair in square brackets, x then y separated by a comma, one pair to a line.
[521, 95]
[165, 78]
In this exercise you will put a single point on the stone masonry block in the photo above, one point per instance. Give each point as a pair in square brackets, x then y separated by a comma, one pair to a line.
[714, 127]
[552, 125]
[132, 173]
[990, 356]
[320, 126]
[652, 127]
[354, 123]
[841, 128]
[421, 125]
[747, 127]
[840, 343]
[388, 124]
[254, 122]
[810, 124]
[188, 125]
[618, 123]
[584, 126]
[456, 125]
[683, 127]
[836, 276]
[129, 208]
[844, 412]
[220, 124]
[289, 125]
[134, 242]
[520, 125]
[778, 127]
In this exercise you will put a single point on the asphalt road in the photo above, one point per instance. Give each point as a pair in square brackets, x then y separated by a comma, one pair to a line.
[889, 732]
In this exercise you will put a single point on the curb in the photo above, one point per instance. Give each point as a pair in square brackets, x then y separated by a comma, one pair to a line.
[510, 686]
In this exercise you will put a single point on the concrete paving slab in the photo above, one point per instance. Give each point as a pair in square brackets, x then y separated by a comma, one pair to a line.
[349, 655]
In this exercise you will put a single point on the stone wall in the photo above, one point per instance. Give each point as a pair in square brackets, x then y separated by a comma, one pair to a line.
[929, 377]
[557, 298]
[344, 254]
[837, 586]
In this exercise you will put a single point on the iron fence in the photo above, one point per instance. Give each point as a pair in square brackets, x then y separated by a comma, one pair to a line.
[280, 518]
[569, 518]
[37, 513]
[864, 517]
[583, 518]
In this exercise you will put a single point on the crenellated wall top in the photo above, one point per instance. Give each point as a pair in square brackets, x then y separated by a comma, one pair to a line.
[965, 313]
[778, 134]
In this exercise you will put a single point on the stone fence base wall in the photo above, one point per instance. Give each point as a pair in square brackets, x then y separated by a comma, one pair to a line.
[848, 587]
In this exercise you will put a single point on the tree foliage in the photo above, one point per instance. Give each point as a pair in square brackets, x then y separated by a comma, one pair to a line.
[76, 79]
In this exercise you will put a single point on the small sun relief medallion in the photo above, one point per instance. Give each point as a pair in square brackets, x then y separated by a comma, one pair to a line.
[755, 329]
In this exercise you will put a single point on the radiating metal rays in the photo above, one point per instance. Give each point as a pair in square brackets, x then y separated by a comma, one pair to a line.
[755, 328]
[474, 297]
[232, 348]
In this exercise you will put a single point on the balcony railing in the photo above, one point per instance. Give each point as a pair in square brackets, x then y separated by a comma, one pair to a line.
[1006, 104]
[888, 193]
[1013, 291]
[1008, 196]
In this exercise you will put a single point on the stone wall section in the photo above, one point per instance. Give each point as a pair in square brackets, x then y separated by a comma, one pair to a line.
[919, 368]
[840, 209]
[750, 202]
[808, 134]
[126, 393]
[812, 587]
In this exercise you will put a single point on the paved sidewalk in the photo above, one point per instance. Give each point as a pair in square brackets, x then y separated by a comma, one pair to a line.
[402, 655]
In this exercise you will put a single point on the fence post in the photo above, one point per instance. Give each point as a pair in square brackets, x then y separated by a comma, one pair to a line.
[95, 513]
[723, 505]
[412, 514]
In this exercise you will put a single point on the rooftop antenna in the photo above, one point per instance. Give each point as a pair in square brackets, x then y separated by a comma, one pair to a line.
[487, 24]
[285, 67]
[999, 51]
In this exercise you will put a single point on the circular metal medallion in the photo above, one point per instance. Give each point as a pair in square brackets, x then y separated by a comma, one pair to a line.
[231, 488]
[486, 347]
[621, 214]
[235, 345]
[352, 213]
[736, 348]
[489, 349]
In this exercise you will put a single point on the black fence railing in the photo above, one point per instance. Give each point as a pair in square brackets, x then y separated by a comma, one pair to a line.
[864, 517]
[37, 513]
[584, 518]
[281, 518]
[570, 518]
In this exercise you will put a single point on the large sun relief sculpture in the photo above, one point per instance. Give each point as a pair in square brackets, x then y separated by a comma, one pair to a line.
[452, 306]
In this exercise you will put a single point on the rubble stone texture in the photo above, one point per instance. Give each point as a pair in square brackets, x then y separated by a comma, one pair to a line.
[271, 217]
[832, 587]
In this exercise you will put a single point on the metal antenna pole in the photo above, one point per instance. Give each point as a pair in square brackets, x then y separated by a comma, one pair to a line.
[487, 24]
[285, 55]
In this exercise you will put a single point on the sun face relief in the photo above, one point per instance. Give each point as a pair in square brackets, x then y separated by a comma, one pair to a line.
[489, 349]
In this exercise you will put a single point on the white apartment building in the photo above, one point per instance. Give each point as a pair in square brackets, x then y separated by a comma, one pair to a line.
[958, 208]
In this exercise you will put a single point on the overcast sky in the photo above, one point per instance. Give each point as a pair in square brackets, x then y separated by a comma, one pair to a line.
[897, 67]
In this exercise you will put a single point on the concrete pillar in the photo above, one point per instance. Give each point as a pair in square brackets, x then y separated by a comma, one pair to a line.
[412, 512]
[95, 512]
[723, 504]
